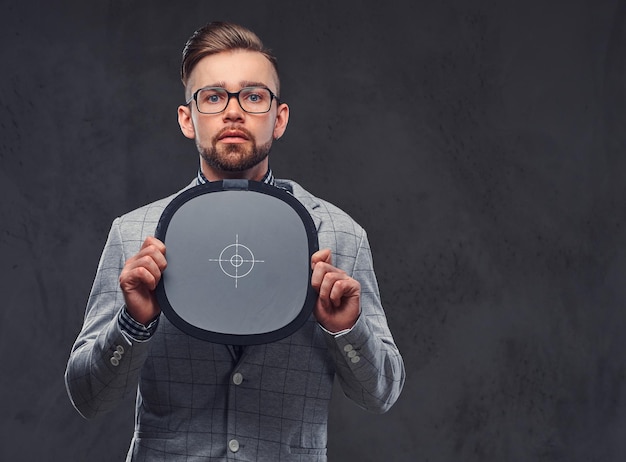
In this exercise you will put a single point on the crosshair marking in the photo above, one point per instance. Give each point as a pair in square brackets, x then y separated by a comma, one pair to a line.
[236, 260]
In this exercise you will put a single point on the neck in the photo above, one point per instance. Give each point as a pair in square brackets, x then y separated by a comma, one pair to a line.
[256, 173]
[267, 177]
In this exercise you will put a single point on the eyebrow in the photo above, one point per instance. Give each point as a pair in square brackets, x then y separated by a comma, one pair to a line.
[242, 84]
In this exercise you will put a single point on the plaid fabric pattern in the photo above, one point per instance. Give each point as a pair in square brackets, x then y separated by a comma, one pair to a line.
[199, 401]
[136, 330]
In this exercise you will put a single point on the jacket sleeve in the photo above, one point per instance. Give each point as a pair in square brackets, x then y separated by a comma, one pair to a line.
[367, 361]
[104, 363]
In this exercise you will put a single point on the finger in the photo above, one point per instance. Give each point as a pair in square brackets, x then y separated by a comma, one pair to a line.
[146, 277]
[158, 259]
[324, 255]
[154, 249]
[342, 288]
[152, 241]
[142, 270]
[320, 270]
[331, 279]
[152, 246]
[138, 278]
[152, 263]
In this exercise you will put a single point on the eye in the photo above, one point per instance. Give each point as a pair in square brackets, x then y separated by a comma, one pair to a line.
[211, 96]
[255, 95]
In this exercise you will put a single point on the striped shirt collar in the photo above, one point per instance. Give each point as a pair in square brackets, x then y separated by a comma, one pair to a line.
[268, 178]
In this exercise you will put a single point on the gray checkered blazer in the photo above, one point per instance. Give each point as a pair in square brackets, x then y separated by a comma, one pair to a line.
[197, 401]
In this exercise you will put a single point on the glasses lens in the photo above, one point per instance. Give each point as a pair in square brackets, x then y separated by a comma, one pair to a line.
[212, 100]
[255, 99]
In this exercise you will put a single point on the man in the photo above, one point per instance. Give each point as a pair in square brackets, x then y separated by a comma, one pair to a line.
[198, 400]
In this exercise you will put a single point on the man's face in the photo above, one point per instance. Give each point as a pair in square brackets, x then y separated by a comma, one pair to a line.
[233, 143]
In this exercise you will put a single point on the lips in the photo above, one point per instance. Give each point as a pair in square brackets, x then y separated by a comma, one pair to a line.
[233, 135]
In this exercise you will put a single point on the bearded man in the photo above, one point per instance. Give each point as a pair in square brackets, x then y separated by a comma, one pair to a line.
[204, 401]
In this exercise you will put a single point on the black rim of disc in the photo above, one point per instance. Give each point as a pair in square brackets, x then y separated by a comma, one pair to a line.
[237, 339]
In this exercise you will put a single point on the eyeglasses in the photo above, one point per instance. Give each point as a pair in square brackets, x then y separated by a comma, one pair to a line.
[253, 100]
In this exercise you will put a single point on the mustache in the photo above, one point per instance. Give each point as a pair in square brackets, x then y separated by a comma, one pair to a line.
[232, 128]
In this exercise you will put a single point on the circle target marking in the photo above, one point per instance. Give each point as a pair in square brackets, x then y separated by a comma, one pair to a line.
[236, 260]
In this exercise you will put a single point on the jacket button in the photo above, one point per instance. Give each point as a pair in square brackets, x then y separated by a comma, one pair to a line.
[237, 378]
[233, 445]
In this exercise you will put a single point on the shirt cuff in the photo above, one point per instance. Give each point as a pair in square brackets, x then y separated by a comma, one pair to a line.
[134, 329]
[336, 334]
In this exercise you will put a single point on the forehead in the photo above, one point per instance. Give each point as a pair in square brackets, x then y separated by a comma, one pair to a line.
[232, 68]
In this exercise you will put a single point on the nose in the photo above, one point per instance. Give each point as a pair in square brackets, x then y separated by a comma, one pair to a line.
[233, 110]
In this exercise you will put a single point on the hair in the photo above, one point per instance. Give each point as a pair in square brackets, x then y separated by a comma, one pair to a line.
[216, 37]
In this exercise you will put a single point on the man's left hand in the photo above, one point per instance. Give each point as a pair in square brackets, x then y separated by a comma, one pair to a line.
[339, 302]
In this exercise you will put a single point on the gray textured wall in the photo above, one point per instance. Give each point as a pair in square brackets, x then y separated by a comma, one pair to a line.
[489, 176]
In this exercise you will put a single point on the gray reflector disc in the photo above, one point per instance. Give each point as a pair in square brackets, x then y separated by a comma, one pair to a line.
[238, 256]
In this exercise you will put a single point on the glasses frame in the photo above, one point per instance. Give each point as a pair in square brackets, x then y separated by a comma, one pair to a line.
[235, 95]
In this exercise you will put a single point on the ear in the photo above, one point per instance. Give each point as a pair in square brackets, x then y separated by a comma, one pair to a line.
[282, 118]
[185, 121]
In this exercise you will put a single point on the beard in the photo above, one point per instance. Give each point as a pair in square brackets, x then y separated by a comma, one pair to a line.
[234, 157]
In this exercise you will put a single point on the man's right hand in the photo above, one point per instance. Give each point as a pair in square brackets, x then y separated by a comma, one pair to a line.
[139, 279]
